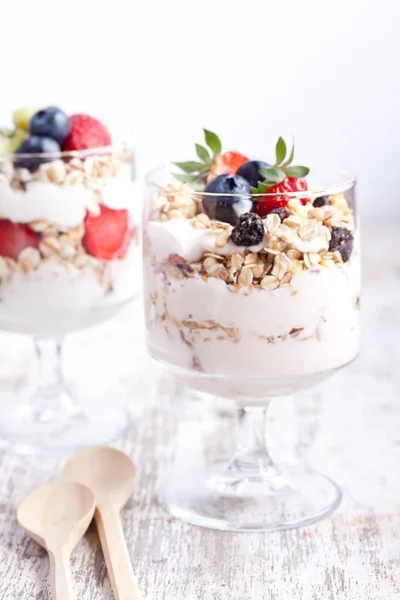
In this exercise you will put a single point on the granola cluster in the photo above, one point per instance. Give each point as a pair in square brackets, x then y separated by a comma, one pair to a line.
[302, 240]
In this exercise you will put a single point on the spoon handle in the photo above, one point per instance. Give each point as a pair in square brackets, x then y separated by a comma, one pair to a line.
[122, 577]
[61, 584]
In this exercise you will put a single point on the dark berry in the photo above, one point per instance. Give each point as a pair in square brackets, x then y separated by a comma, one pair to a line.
[50, 122]
[251, 171]
[281, 212]
[234, 199]
[36, 146]
[321, 201]
[248, 231]
[341, 239]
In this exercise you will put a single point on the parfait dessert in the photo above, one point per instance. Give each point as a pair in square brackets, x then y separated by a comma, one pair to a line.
[68, 260]
[68, 255]
[252, 290]
[256, 276]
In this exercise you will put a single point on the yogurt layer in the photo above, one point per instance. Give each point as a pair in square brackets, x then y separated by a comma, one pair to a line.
[310, 326]
[64, 206]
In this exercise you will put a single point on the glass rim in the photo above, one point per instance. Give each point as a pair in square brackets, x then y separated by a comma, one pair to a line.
[85, 152]
[349, 181]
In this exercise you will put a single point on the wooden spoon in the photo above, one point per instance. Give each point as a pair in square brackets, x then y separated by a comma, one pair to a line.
[56, 516]
[111, 475]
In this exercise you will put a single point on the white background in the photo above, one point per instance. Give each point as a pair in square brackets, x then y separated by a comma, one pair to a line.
[326, 71]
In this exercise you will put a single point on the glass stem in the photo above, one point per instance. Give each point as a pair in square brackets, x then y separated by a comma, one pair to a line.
[49, 353]
[252, 457]
[51, 398]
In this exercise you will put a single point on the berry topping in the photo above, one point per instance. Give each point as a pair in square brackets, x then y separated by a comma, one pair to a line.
[321, 201]
[342, 240]
[229, 207]
[22, 116]
[281, 212]
[107, 236]
[211, 162]
[251, 171]
[248, 231]
[14, 237]
[281, 178]
[50, 122]
[227, 163]
[37, 145]
[11, 140]
[86, 132]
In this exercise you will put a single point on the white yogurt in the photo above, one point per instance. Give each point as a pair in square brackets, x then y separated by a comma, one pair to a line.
[58, 298]
[64, 206]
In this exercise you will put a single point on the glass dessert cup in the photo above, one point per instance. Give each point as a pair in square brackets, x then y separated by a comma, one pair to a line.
[71, 263]
[250, 324]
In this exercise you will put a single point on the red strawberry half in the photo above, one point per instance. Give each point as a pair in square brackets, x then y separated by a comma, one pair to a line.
[15, 237]
[291, 184]
[107, 236]
[86, 132]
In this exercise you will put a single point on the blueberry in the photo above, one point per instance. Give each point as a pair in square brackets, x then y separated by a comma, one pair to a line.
[342, 240]
[50, 122]
[250, 170]
[321, 201]
[248, 231]
[227, 208]
[36, 145]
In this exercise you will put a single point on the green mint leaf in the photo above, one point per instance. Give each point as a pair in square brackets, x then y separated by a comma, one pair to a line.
[189, 167]
[202, 153]
[297, 171]
[280, 151]
[213, 142]
[185, 178]
[290, 159]
[261, 189]
[273, 175]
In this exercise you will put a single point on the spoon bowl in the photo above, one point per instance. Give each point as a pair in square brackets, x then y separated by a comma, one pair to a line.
[59, 509]
[107, 471]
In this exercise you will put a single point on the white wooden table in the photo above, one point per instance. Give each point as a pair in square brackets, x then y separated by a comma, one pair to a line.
[349, 429]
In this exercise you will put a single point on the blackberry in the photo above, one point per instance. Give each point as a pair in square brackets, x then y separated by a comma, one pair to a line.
[248, 231]
[281, 212]
[342, 240]
[321, 201]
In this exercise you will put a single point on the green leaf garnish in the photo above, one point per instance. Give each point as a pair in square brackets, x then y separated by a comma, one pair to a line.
[281, 170]
[190, 166]
[208, 158]
[297, 171]
[202, 153]
[273, 175]
[291, 157]
[213, 141]
[280, 151]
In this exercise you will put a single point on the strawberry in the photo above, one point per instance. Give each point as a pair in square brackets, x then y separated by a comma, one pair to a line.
[86, 132]
[107, 236]
[281, 178]
[227, 164]
[212, 162]
[15, 237]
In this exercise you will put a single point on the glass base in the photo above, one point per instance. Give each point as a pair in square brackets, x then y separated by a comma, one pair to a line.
[283, 497]
[26, 430]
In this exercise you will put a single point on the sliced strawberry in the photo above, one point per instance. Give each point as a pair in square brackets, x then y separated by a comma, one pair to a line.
[15, 237]
[290, 184]
[227, 164]
[107, 236]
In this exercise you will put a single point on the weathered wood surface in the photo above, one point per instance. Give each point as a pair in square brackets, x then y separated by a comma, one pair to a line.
[349, 429]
